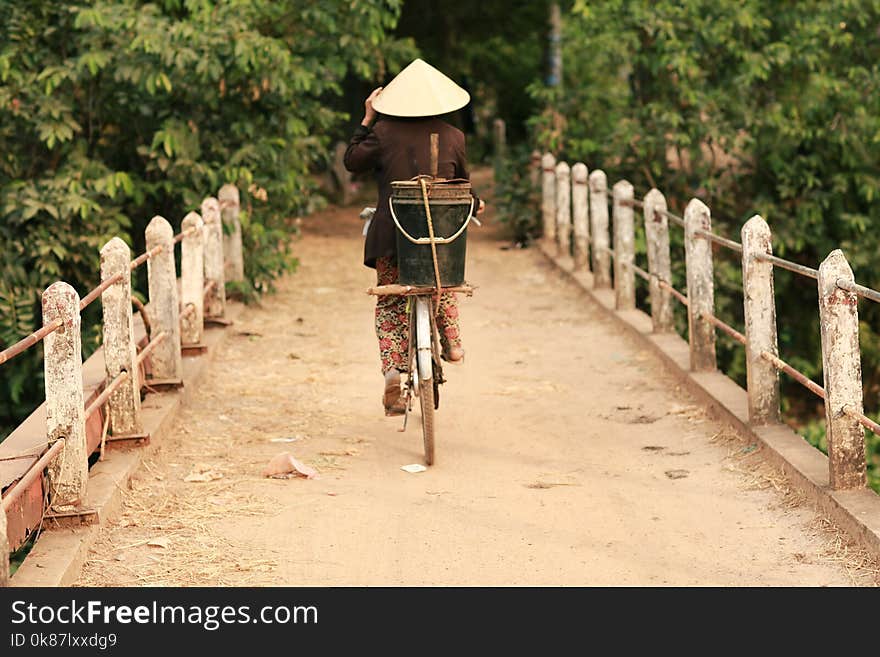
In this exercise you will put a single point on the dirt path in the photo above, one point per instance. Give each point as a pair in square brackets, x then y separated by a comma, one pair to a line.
[565, 455]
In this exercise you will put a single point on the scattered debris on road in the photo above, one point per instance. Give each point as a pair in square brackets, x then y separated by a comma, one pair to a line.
[541, 485]
[677, 474]
[413, 468]
[202, 472]
[340, 452]
[285, 466]
[286, 439]
[687, 411]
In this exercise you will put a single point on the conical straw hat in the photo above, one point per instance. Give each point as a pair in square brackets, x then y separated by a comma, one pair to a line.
[420, 90]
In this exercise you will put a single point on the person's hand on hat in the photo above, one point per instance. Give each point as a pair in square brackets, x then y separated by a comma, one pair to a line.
[369, 112]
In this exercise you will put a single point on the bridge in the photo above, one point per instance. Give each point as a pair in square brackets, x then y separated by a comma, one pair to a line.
[582, 442]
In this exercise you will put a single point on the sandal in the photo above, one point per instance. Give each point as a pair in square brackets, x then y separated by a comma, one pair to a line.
[394, 402]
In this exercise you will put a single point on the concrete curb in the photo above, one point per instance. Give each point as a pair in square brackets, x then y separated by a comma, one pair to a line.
[855, 512]
[58, 555]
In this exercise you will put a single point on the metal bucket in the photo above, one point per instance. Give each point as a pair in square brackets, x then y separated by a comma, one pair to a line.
[451, 205]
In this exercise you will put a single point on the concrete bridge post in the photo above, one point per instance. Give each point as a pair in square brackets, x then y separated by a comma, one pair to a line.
[232, 251]
[548, 197]
[700, 286]
[215, 302]
[624, 247]
[65, 412]
[563, 209]
[192, 280]
[759, 306]
[842, 370]
[499, 142]
[599, 229]
[342, 176]
[580, 211]
[535, 169]
[659, 261]
[164, 311]
[124, 405]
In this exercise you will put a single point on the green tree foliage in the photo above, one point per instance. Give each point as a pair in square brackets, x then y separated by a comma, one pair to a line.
[517, 196]
[497, 48]
[113, 111]
[755, 107]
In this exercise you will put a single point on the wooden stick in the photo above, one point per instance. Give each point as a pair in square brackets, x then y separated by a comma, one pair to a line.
[382, 290]
[435, 154]
[431, 234]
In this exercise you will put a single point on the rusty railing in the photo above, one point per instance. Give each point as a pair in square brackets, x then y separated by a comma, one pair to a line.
[34, 489]
[575, 217]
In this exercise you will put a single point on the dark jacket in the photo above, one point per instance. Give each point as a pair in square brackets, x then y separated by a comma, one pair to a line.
[399, 149]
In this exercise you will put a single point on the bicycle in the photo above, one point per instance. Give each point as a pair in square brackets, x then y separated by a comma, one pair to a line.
[424, 373]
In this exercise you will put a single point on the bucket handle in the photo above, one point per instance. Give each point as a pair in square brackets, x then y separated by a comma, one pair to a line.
[427, 240]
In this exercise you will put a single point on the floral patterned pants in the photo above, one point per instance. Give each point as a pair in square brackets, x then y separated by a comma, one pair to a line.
[392, 321]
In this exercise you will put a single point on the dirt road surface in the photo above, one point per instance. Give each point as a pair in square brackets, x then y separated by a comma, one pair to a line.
[566, 455]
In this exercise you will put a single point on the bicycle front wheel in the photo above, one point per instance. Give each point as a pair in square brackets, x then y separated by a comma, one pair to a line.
[425, 372]
[426, 401]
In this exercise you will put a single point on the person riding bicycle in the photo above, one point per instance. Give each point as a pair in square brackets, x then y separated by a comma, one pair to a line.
[406, 112]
